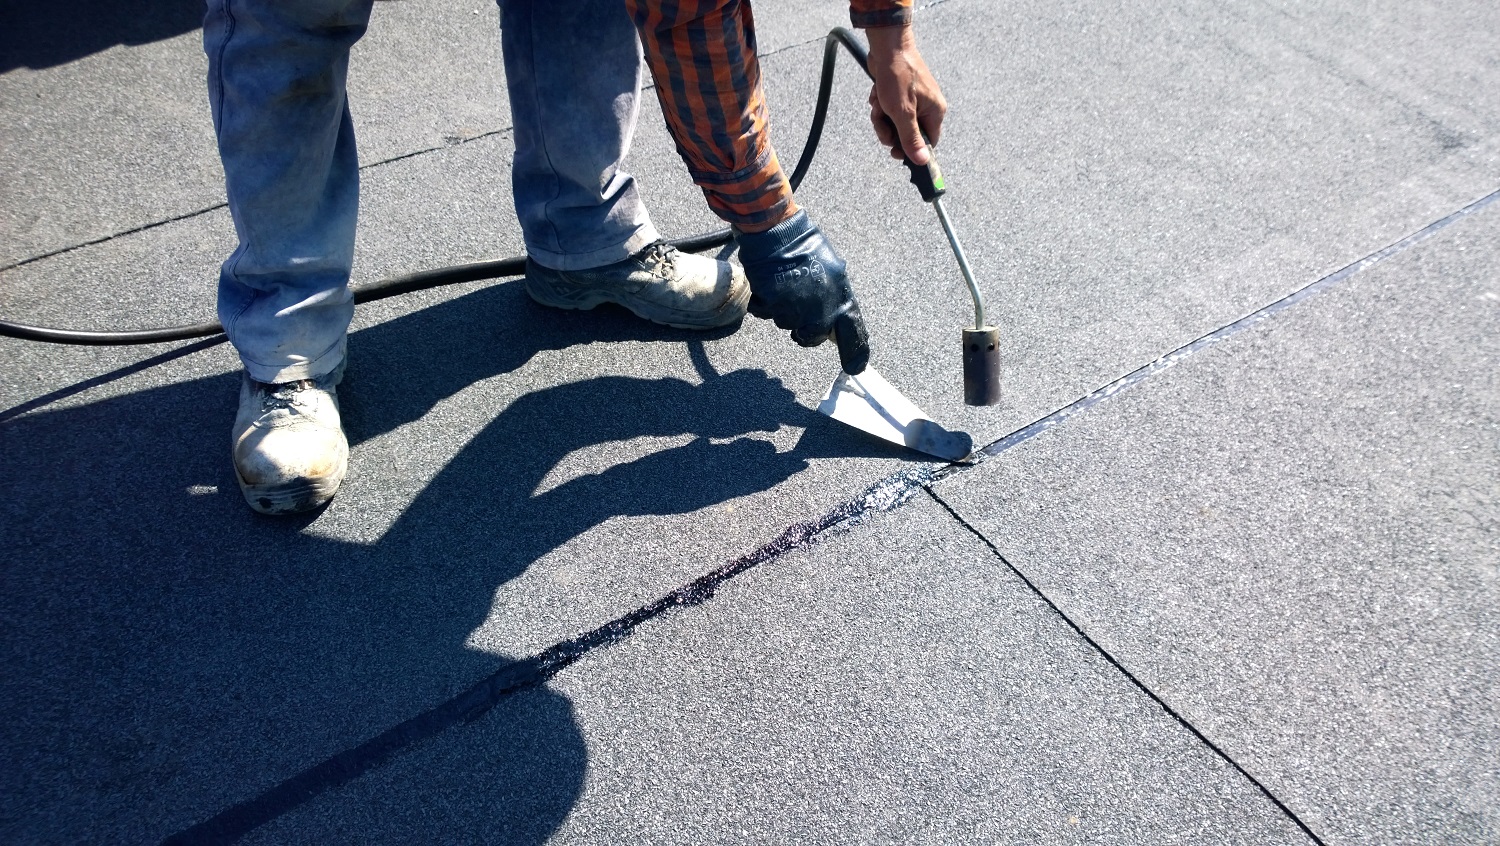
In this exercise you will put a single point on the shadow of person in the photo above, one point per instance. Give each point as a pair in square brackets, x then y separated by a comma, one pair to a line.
[44, 35]
[400, 369]
[493, 488]
[169, 653]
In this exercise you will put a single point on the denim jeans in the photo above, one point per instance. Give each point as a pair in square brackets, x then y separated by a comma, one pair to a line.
[276, 83]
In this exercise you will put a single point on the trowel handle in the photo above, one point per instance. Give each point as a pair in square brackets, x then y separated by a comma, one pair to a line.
[928, 178]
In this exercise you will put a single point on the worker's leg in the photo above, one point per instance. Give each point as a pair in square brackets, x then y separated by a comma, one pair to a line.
[276, 72]
[573, 70]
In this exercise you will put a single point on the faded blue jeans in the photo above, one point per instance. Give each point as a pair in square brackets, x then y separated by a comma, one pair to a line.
[276, 73]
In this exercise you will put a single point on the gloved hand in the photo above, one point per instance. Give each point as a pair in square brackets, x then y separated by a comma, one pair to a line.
[797, 280]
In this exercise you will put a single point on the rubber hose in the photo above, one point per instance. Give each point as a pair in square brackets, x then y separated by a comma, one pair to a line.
[514, 266]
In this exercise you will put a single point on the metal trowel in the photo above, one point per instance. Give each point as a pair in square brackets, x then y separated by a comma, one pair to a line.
[871, 404]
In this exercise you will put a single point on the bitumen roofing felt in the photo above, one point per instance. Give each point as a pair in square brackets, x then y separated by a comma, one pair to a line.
[1248, 596]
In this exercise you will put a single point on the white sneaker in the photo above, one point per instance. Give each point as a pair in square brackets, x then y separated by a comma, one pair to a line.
[290, 453]
[659, 283]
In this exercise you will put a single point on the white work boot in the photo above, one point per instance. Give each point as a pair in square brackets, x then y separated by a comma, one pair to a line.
[659, 283]
[290, 453]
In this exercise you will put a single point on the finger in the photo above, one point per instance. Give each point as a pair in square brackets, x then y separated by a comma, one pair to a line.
[885, 131]
[853, 341]
[910, 133]
[931, 121]
[932, 129]
[890, 139]
[809, 336]
[786, 316]
[759, 307]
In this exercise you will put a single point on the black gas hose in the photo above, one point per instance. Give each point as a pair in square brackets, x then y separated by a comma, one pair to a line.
[515, 266]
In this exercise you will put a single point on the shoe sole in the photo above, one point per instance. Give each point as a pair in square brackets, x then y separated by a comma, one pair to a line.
[583, 299]
[292, 497]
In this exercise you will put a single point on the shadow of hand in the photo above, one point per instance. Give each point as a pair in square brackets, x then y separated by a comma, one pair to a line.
[679, 480]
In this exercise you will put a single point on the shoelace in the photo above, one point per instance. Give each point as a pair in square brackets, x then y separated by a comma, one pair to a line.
[285, 396]
[659, 258]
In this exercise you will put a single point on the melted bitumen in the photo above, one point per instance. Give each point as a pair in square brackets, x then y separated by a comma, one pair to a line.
[235, 822]
[886, 495]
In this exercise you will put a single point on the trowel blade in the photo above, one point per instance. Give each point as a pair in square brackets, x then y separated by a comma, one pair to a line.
[871, 404]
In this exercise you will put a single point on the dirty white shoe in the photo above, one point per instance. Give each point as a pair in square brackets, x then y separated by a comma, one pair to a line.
[290, 453]
[660, 284]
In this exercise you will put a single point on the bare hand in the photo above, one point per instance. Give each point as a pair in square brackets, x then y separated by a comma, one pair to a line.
[905, 101]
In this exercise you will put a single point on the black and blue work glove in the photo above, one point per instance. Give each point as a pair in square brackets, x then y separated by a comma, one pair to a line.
[798, 281]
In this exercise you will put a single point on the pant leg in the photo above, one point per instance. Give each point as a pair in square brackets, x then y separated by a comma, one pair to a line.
[573, 71]
[276, 72]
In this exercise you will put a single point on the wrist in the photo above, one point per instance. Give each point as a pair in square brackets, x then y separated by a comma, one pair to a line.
[774, 240]
[890, 40]
[791, 210]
